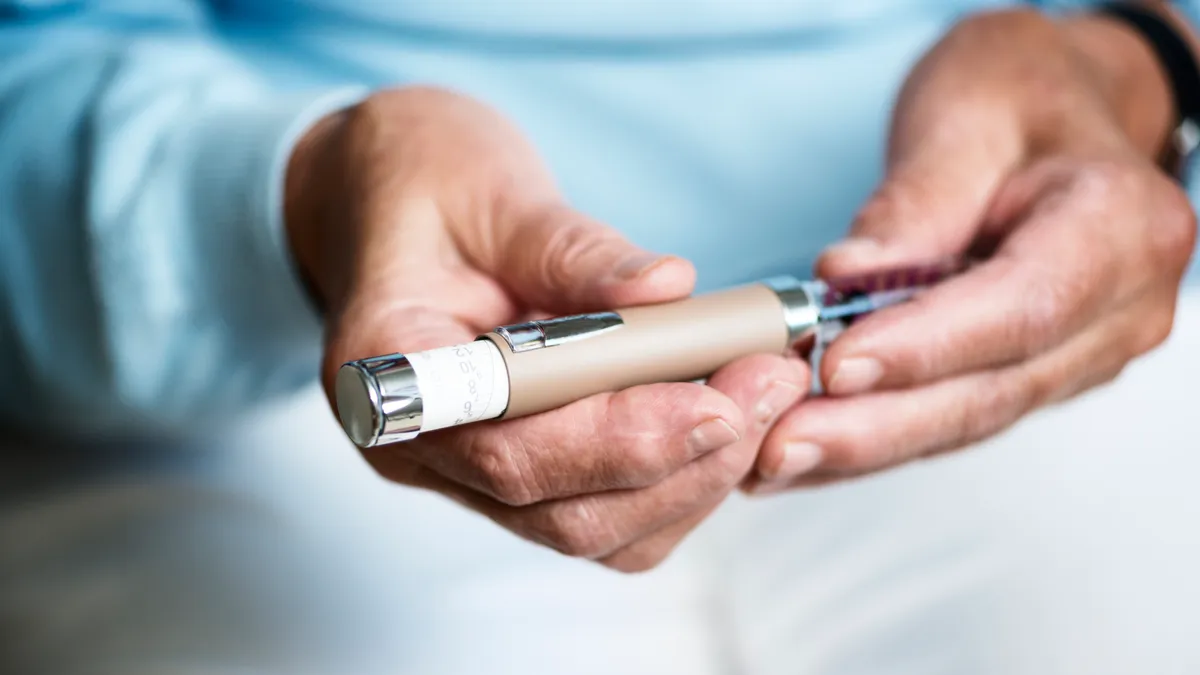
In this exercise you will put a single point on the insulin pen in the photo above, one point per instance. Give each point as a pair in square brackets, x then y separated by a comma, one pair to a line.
[532, 367]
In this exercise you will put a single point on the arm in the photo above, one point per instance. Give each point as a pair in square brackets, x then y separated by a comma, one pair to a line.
[144, 272]
[143, 264]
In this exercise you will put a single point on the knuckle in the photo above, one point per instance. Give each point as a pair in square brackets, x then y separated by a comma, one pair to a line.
[642, 421]
[1167, 219]
[643, 460]
[571, 244]
[504, 473]
[575, 528]
[697, 402]
[896, 201]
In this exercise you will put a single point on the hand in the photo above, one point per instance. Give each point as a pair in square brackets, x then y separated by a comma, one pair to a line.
[423, 219]
[1031, 141]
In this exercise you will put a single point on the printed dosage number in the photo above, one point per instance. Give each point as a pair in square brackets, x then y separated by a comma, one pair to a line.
[461, 384]
[467, 366]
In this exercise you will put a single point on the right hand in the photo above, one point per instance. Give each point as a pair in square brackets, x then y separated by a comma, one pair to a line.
[422, 219]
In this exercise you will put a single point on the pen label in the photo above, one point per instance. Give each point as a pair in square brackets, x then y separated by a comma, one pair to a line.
[461, 384]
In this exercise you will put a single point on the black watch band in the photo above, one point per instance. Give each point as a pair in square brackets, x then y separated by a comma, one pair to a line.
[1179, 64]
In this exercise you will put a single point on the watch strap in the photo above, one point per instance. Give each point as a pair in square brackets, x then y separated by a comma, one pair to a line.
[1179, 64]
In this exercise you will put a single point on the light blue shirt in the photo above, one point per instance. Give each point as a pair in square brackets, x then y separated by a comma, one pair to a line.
[144, 275]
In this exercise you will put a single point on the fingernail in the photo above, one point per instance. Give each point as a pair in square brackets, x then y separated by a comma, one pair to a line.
[855, 247]
[798, 459]
[711, 435]
[779, 396]
[635, 266]
[855, 376]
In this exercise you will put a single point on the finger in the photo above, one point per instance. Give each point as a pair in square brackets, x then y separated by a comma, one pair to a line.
[630, 439]
[1044, 284]
[651, 551]
[944, 165]
[596, 525]
[1078, 244]
[412, 260]
[639, 556]
[377, 327]
[763, 386]
[411, 291]
[863, 434]
[559, 260]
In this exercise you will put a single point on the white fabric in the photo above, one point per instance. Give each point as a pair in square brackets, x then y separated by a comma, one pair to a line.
[1070, 546]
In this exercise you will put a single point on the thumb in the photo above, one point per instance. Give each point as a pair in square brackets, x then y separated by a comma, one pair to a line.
[375, 327]
[560, 261]
[931, 204]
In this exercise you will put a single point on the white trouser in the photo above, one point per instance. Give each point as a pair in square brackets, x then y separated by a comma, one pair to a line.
[1069, 546]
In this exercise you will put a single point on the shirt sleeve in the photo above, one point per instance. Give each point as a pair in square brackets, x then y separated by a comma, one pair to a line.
[145, 277]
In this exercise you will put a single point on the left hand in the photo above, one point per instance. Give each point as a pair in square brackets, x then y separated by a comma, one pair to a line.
[1034, 141]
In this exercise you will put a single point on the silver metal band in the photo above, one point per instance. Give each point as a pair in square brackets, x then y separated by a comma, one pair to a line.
[379, 400]
[801, 308]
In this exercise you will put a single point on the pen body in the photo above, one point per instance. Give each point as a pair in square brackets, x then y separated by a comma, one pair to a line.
[532, 367]
[676, 341]
[529, 368]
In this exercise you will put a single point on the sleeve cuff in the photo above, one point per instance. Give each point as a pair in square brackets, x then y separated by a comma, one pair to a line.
[294, 121]
[245, 162]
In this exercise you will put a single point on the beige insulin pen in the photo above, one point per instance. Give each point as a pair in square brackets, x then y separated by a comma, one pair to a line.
[531, 367]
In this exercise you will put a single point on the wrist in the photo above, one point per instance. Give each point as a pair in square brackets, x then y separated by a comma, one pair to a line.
[1125, 71]
[308, 193]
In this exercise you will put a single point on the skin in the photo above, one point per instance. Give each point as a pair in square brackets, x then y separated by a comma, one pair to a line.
[421, 218]
[1036, 143]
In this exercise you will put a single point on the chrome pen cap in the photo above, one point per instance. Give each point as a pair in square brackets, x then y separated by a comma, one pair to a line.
[379, 400]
